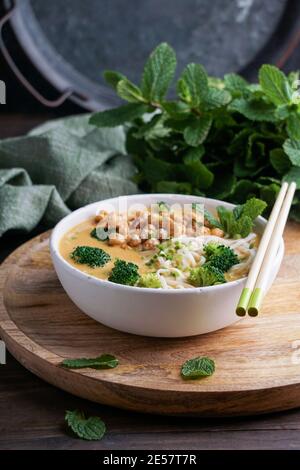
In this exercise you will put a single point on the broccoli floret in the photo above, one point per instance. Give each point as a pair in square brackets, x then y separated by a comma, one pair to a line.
[124, 273]
[93, 257]
[220, 256]
[150, 280]
[206, 275]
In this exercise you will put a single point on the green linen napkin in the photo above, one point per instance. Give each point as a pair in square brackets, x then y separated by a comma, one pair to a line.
[60, 166]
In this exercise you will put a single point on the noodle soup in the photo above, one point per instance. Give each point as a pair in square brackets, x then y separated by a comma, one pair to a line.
[162, 247]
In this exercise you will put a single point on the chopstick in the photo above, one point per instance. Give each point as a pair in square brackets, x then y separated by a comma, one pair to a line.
[259, 258]
[266, 267]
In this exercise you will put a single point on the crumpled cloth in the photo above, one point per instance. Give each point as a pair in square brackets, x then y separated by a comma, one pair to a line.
[60, 166]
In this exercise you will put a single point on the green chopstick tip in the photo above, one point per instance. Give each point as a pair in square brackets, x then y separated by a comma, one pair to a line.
[243, 302]
[252, 311]
[255, 302]
[240, 311]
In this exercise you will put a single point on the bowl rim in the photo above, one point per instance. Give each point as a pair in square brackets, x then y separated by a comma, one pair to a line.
[81, 275]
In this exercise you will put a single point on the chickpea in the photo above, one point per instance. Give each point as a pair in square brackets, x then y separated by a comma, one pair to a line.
[116, 239]
[133, 240]
[154, 218]
[100, 216]
[217, 232]
[150, 244]
[162, 234]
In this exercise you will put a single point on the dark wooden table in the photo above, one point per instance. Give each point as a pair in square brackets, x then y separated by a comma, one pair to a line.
[32, 412]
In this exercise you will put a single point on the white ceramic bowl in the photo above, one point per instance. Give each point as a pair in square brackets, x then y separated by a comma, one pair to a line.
[150, 312]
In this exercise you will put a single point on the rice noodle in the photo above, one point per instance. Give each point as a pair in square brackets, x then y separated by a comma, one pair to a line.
[191, 254]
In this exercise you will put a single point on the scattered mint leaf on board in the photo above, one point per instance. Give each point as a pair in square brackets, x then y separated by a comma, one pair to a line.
[105, 361]
[90, 429]
[158, 73]
[197, 368]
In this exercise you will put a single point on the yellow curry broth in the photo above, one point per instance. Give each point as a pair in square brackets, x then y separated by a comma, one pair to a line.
[80, 235]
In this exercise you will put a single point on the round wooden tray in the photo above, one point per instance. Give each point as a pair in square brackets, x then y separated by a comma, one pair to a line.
[257, 370]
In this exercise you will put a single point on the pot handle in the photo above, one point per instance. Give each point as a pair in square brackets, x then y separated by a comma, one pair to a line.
[23, 80]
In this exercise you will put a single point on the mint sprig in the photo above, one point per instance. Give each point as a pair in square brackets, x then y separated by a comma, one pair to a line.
[248, 133]
[105, 361]
[90, 429]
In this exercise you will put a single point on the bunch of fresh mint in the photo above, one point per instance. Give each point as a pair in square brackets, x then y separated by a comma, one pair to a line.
[226, 139]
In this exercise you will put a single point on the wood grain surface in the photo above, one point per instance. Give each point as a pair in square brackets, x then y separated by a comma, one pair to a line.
[255, 372]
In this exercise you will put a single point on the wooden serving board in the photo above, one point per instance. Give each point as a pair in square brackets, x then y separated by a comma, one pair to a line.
[257, 364]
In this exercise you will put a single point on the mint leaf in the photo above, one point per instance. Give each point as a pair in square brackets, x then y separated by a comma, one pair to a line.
[197, 172]
[101, 233]
[224, 183]
[193, 84]
[105, 361]
[292, 149]
[280, 161]
[158, 73]
[129, 92]
[174, 187]
[215, 98]
[90, 429]
[197, 368]
[154, 129]
[252, 208]
[282, 112]
[255, 110]
[239, 221]
[235, 83]
[176, 109]
[293, 175]
[269, 193]
[157, 169]
[213, 222]
[117, 116]
[196, 133]
[113, 78]
[275, 84]
[293, 126]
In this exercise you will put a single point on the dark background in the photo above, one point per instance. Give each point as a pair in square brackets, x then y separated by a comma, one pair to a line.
[282, 49]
